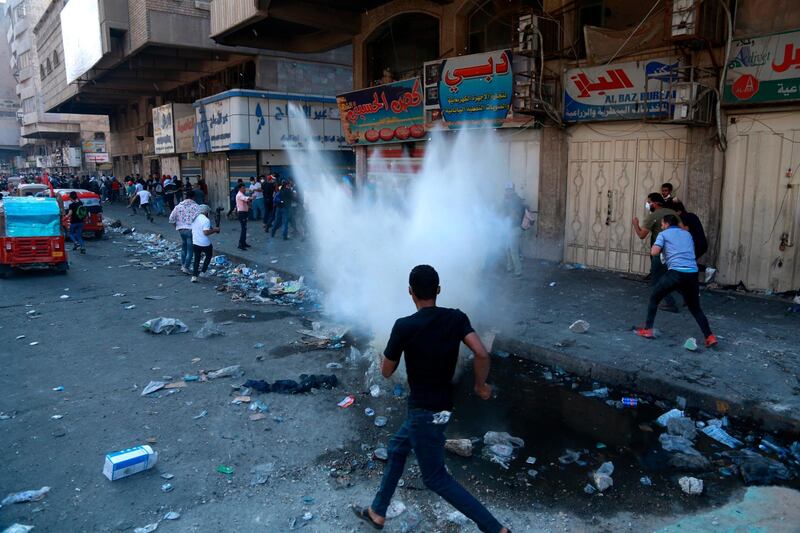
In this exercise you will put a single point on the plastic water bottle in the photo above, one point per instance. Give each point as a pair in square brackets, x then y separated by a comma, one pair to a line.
[630, 402]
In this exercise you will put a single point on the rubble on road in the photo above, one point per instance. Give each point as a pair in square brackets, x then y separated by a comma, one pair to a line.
[288, 386]
[462, 447]
[602, 476]
[691, 485]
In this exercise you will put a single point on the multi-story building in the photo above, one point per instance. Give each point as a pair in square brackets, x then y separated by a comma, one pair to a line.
[49, 140]
[615, 98]
[136, 61]
[9, 104]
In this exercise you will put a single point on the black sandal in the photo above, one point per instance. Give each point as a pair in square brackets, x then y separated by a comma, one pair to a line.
[363, 514]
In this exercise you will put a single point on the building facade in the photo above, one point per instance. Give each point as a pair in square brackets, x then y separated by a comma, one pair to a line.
[49, 141]
[146, 64]
[621, 96]
[9, 104]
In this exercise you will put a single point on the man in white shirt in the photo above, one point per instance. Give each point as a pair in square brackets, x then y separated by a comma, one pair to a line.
[256, 193]
[182, 217]
[201, 244]
[143, 197]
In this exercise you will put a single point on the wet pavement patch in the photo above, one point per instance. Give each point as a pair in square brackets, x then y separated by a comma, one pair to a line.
[570, 428]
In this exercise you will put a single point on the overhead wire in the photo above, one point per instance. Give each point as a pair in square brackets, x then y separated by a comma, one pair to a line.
[613, 57]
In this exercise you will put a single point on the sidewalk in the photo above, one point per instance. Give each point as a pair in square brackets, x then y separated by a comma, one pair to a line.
[754, 373]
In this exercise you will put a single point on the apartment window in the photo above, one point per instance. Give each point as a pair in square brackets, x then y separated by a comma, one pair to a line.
[49, 68]
[29, 105]
[20, 12]
[55, 58]
[24, 60]
[42, 72]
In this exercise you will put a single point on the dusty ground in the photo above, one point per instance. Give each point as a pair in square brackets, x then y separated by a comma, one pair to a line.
[96, 349]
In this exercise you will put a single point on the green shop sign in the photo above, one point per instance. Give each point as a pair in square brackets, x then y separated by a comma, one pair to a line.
[764, 69]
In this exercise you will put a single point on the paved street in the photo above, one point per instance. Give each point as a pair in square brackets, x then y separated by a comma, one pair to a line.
[314, 457]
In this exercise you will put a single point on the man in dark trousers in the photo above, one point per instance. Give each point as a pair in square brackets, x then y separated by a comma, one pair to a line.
[77, 216]
[242, 209]
[656, 211]
[678, 248]
[430, 339]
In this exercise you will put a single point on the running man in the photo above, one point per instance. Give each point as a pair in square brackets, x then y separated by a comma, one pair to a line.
[201, 244]
[77, 216]
[678, 248]
[430, 339]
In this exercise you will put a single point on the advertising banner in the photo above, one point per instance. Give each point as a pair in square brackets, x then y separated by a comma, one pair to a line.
[764, 69]
[387, 113]
[184, 133]
[93, 145]
[81, 36]
[617, 91]
[96, 158]
[163, 129]
[470, 91]
[254, 120]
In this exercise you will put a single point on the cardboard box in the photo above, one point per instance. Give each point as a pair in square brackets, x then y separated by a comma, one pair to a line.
[125, 463]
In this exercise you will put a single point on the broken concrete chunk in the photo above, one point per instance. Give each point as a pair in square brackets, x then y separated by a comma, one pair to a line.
[462, 447]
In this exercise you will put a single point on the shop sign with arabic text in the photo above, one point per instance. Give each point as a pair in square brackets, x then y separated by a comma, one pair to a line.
[764, 69]
[383, 114]
[470, 91]
[618, 91]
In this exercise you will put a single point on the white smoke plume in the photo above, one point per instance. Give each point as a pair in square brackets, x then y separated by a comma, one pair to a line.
[446, 216]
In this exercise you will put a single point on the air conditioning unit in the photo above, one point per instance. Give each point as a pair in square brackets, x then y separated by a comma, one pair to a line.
[527, 42]
[692, 102]
[696, 19]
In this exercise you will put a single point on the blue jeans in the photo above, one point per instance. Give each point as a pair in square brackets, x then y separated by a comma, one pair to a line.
[283, 215]
[186, 247]
[257, 211]
[76, 234]
[420, 434]
[657, 271]
[158, 204]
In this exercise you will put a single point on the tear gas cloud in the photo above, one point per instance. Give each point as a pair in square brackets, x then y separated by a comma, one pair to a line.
[447, 215]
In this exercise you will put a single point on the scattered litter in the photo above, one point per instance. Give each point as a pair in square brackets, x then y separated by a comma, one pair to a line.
[499, 447]
[288, 386]
[533, 473]
[690, 344]
[347, 402]
[691, 485]
[569, 457]
[201, 415]
[395, 509]
[589, 489]
[257, 416]
[579, 326]
[165, 325]
[646, 481]
[602, 476]
[369, 411]
[19, 337]
[552, 283]
[630, 402]
[682, 426]
[58, 389]
[462, 447]
[381, 421]
[129, 307]
[259, 406]
[261, 473]
[501, 437]
[167, 487]
[258, 345]
[674, 413]
[381, 454]
[375, 391]
[34, 343]
[127, 462]
[149, 528]
[223, 469]
[56, 417]
[167, 476]
[209, 329]
[64, 296]
[602, 392]
[153, 386]
[530, 460]
[757, 469]
[175, 385]
[677, 443]
[25, 496]
[720, 435]
[442, 417]
[17, 528]
[155, 297]
[398, 390]
[238, 400]
[172, 515]
[333, 366]
[225, 372]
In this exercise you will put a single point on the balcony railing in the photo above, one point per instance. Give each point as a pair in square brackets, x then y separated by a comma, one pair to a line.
[229, 15]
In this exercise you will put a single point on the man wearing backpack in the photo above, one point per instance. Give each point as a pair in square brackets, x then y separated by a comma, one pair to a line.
[157, 191]
[77, 214]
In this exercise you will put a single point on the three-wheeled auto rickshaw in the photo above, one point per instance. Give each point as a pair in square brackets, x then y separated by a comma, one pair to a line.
[31, 236]
[94, 222]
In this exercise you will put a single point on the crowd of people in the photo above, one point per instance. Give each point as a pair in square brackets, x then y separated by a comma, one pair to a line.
[269, 199]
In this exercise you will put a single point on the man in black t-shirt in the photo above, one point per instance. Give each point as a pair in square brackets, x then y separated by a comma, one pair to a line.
[77, 216]
[430, 339]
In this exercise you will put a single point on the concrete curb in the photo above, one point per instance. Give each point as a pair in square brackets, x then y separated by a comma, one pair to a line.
[696, 396]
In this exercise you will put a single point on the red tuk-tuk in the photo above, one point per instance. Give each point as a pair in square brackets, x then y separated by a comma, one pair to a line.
[94, 222]
[31, 236]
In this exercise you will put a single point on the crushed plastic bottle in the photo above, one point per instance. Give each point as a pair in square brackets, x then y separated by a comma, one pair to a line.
[25, 496]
